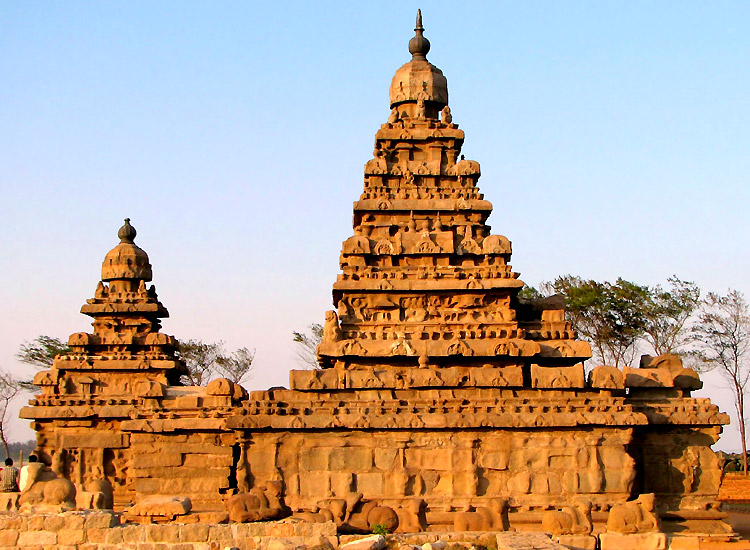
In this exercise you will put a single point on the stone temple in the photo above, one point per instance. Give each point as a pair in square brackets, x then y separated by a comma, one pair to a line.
[443, 402]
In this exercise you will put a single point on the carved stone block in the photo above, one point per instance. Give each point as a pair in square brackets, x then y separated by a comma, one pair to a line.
[641, 541]
[579, 542]
[557, 377]
[648, 378]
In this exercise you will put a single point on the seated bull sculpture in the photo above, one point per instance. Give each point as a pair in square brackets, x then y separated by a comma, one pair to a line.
[570, 520]
[636, 516]
[484, 518]
[45, 491]
[259, 504]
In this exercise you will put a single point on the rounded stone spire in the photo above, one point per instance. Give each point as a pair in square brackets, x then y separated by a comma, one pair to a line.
[419, 79]
[127, 232]
[126, 260]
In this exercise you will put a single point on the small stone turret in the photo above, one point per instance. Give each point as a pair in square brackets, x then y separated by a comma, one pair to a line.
[126, 261]
[124, 366]
[126, 305]
[419, 83]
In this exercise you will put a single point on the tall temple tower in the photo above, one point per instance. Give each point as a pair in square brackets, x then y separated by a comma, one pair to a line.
[423, 281]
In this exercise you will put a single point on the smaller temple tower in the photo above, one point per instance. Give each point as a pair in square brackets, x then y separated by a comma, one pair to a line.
[122, 366]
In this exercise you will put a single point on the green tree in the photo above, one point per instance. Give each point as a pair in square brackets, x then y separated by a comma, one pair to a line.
[307, 349]
[200, 359]
[530, 293]
[611, 316]
[723, 330]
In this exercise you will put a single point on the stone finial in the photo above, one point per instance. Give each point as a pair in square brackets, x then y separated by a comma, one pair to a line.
[127, 232]
[419, 81]
[126, 260]
[419, 46]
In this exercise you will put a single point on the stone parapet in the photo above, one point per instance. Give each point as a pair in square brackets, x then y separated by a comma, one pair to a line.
[103, 531]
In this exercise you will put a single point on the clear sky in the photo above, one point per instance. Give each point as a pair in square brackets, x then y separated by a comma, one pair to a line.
[613, 139]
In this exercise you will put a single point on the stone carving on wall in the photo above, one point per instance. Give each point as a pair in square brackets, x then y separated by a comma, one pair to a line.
[606, 378]
[331, 329]
[445, 115]
[259, 504]
[557, 377]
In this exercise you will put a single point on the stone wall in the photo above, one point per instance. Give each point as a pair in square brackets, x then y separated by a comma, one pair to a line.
[450, 470]
[196, 464]
[103, 531]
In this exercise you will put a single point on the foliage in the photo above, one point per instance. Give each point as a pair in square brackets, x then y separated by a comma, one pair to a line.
[26, 447]
[616, 318]
[611, 316]
[667, 315]
[379, 529]
[236, 366]
[723, 330]
[200, 360]
[530, 293]
[307, 351]
[206, 361]
[41, 351]
[9, 388]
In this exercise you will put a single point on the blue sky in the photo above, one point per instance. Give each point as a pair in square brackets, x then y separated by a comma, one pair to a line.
[613, 139]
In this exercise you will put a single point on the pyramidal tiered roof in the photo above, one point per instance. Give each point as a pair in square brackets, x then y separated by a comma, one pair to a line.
[422, 277]
[126, 337]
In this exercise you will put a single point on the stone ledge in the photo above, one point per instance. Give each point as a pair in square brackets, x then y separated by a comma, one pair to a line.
[86, 530]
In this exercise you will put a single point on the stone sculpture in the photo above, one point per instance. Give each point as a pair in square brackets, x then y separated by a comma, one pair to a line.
[489, 518]
[97, 495]
[634, 524]
[361, 516]
[636, 516]
[411, 516]
[47, 492]
[569, 520]
[257, 505]
[159, 509]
